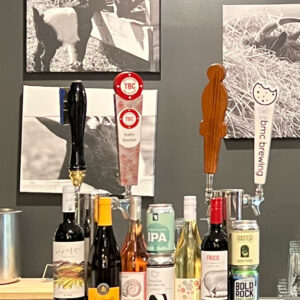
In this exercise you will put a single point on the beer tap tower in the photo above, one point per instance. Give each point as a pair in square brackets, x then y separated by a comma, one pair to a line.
[128, 101]
[213, 129]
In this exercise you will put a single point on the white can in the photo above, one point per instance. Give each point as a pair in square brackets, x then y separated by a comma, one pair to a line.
[160, 277]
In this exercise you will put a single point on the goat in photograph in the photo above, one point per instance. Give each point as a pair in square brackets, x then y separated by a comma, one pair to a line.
[125, 7]
[100, 146]
[59, 26]
[283, 45]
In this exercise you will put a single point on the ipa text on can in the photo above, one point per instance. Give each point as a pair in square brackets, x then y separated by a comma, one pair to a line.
[160, 228]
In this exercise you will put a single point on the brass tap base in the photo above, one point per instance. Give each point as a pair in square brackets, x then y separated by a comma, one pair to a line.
[77, 177]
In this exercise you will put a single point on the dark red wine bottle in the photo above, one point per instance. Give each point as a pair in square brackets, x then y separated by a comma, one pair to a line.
[214, 256]
[68, 253]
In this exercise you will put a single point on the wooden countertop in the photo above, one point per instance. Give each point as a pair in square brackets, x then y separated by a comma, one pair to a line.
[29, 289]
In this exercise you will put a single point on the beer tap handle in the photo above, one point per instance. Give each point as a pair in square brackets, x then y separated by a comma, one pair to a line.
[76, 105]
[213, 127]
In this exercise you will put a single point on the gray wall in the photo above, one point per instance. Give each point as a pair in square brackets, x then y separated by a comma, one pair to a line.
[191, 40]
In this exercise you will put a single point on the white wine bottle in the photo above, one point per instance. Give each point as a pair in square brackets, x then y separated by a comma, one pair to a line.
[188, 255]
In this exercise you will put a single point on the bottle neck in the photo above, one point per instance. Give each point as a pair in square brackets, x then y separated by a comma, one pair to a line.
[135, 227]
[215, 227]
[216, 216]
[190, 228]
[69, 217]
[105, 217]
[190, 213]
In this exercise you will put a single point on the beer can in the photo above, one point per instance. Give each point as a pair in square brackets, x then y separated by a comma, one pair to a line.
[160, 276]
[244, 243]
[160, 228]
[243, 283]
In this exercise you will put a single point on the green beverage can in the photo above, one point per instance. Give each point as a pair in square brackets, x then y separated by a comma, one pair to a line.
[243, 283]
[160, 228]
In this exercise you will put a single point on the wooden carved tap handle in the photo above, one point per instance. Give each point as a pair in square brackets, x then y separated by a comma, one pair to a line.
[77, 114]
[213, 127]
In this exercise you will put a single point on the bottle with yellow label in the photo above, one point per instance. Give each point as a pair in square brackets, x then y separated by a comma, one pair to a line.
[104, 261]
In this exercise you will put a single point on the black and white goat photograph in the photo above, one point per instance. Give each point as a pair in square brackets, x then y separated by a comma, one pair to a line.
[46, 143]
[92, 35]
[261, 43]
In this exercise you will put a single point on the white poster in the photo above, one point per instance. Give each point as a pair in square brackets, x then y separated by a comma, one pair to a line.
[46, 144]
[261, 44]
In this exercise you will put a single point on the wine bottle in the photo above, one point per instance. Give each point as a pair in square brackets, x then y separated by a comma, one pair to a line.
[68, 252]
[214, 256]
[188, 255]
[134, 255]
[104, 265]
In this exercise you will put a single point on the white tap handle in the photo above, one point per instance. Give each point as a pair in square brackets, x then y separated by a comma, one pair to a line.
[264, 99]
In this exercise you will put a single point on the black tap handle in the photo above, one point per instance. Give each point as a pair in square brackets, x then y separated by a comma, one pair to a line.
[77, 115]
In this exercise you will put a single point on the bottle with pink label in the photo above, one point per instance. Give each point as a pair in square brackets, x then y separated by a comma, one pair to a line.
[134, 256]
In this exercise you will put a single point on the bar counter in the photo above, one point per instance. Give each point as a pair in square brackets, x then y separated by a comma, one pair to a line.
[38, 289]
[28, 289]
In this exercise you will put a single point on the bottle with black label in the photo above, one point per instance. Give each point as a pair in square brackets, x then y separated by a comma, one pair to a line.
[68, 253]
[160, 276]
[214, 256]
[104, 264]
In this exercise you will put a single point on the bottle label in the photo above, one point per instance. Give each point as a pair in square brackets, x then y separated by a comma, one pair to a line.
[160, 283]
[68, 261]
[187, 288]
[133, 285]
[160, 232]
[245, 289]
[104, 292]
[129, 127]
[244, 245]
[214, 274]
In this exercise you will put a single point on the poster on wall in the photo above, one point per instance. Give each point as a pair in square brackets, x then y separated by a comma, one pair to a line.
[92, 35]
[46, 143]
[261, 44]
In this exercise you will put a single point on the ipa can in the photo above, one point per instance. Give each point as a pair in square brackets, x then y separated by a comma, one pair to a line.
[160, 228]
[160, 276]
[243, 283]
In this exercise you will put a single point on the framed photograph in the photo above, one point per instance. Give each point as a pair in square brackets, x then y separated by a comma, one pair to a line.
[46, 143]
[261, 44]
[92, 35]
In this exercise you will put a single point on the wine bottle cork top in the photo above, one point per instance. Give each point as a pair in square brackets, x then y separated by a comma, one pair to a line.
[190, 200]
[190, 211]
